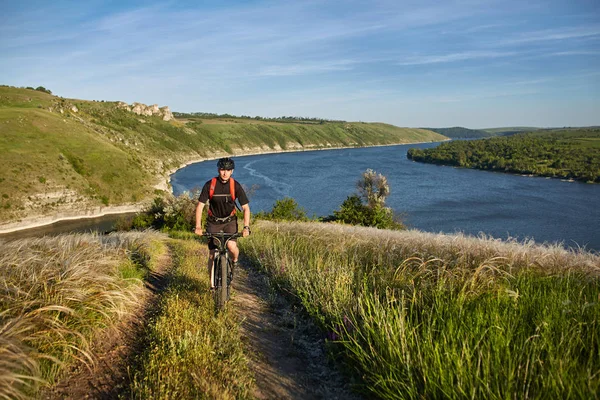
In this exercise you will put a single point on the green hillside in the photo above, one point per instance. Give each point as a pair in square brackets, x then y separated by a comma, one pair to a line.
[568, 154]
[68, 157]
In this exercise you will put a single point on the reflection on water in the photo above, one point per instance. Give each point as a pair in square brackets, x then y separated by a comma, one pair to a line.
[98, 224]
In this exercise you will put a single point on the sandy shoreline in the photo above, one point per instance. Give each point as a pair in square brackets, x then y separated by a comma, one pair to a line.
[164, 184]
[66, 216]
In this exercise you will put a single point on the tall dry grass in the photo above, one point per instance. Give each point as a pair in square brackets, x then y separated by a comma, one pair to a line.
[421, 315]
[56, 293]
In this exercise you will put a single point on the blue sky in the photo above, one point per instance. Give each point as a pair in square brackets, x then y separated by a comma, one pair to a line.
[472, 63]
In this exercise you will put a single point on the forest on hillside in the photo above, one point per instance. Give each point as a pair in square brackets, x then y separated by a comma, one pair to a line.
[567, 154]
[458, 132]
[282, 119]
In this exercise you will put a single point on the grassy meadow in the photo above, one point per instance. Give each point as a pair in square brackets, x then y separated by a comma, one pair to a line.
[407, 314]
[419, 315]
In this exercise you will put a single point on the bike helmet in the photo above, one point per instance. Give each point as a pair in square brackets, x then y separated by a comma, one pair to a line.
[226, 163]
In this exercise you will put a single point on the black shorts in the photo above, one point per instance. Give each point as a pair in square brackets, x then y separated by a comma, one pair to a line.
[227, 227]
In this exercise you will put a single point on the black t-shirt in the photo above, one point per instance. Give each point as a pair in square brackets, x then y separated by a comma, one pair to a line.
[221, 204]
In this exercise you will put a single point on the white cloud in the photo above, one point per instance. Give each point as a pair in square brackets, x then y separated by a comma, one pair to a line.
[454, 57]
[548, 35]
[307, 68]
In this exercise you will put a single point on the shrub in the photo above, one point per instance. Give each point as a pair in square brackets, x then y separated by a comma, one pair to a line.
[180, 212]
[169, 213]
[78, 164]
[141, 222]
[374, 189]
[285, 209]
[354, 212]
[43, 89]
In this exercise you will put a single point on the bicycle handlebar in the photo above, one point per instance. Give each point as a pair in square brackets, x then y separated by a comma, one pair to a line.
[221, 237]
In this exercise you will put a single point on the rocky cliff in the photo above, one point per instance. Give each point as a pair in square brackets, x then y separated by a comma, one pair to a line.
[142, 109]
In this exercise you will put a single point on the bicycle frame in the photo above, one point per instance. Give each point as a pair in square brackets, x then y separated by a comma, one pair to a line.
[220, 269]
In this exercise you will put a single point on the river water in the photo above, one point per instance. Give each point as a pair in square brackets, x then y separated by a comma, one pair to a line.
[428, 197]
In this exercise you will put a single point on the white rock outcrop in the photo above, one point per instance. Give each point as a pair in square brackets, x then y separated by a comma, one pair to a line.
[142, 109]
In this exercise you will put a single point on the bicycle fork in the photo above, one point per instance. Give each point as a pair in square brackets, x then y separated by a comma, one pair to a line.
[213, 273]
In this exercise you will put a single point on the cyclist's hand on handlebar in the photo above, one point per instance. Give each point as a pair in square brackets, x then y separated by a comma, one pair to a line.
[198, 231]
[246, 231]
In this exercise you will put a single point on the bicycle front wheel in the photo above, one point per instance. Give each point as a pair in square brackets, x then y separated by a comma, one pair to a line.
[217, 283]
[223, 292]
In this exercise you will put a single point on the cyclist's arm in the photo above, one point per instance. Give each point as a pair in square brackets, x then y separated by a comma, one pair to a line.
[246, 210]
[199, 209]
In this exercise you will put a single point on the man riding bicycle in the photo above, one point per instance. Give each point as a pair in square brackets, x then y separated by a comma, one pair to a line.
[220, 193]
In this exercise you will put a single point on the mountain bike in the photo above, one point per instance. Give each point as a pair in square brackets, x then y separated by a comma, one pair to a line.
[221, 272]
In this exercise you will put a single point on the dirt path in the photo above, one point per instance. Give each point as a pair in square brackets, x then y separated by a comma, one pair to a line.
[286, 349]
[115, 349]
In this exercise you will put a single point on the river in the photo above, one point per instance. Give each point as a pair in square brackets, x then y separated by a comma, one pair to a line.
[428, 197]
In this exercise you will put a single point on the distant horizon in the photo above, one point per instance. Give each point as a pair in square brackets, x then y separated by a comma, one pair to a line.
[311, 117]
[376, 122]
[406, 63]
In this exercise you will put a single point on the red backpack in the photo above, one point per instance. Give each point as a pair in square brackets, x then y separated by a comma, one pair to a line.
[211, 192]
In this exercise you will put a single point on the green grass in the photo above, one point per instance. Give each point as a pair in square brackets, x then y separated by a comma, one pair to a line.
[409, 314]
[70, 157]
[190, 351]
[57, 294]
[416, 315]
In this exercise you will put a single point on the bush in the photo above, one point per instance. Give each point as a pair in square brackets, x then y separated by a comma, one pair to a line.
[169, 213]
[354, 212]
[374, 189]
[143, 221]
[285, 209]
[43, 89]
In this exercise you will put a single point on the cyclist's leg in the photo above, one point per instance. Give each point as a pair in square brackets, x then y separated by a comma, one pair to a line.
[233, 250]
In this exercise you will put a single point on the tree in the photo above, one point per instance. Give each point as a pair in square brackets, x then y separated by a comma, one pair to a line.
[43, 89]
[285, 209]
[353, 212]
[373, 188]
